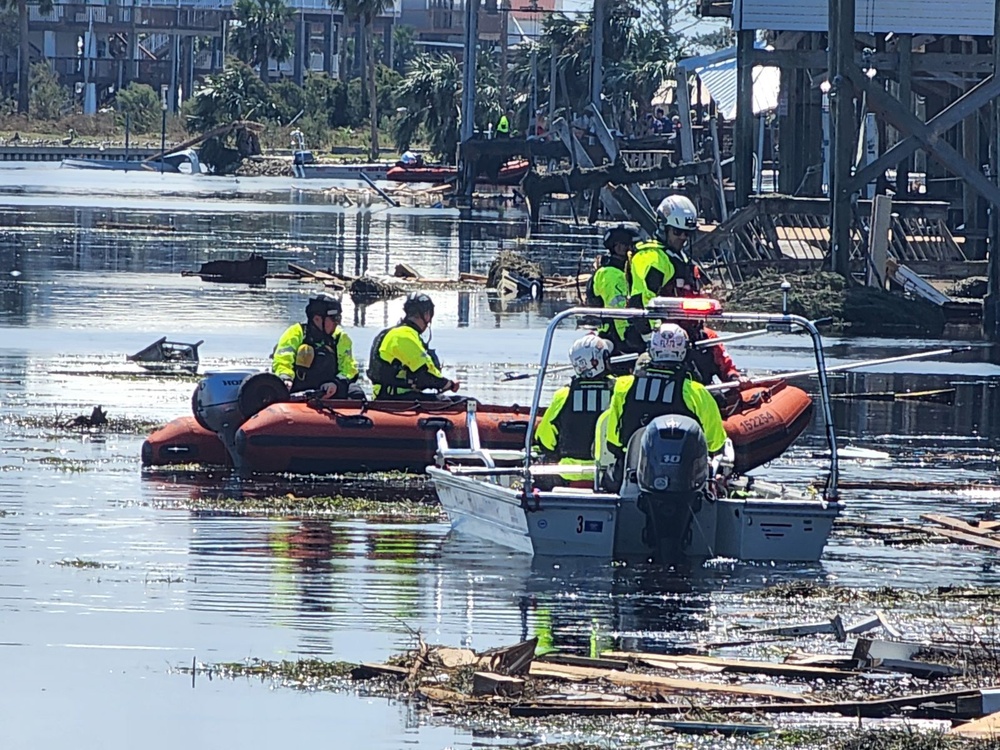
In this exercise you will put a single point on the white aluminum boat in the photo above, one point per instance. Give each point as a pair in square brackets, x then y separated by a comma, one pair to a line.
[667, 503]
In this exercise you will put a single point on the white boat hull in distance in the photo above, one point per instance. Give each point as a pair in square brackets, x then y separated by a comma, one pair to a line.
[573, 526]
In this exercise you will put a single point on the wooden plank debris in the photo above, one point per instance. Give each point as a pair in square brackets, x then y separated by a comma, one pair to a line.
[898, 657]
[583, 661]
[745, 666]
[983, 528]
[510, 660]
[713, 727]
[834, 626]
[986, 728]
[489, 683]
[631, 679]
[370, 671]
[971, 539]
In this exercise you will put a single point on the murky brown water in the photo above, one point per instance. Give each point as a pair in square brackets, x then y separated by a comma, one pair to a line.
[106, 581]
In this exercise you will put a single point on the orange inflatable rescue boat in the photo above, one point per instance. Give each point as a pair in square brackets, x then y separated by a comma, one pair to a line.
[348, 436]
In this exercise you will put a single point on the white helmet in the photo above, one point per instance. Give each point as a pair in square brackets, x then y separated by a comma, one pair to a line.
[591, 355]
[678, 211]
[669, 343]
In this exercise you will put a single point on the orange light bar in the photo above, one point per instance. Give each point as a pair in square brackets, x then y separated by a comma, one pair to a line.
[700, 305]
[684, 306]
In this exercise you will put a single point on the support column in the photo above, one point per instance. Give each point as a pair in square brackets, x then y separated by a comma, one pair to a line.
[841, 55]
[301, 49]
[504, 20]
[330, 46]
[597, 56]
[991, 305]
[905, 49]
[743, 132]
[467, 170]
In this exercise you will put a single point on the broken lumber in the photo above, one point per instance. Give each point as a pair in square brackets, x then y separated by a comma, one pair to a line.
[713, 727]
[509, 660]
[834, 627]
[957, 524]
[370, 671]
[598, 708]
[744, 666]
[490, 683]
[583, 661]
[631, 679]
[970, 539]
[986, 728]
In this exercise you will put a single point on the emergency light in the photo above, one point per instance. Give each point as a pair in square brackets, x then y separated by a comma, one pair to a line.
[684, 306]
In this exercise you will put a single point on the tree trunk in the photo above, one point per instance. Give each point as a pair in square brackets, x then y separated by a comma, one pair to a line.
[265, 63]
[342, 73]
[372, 101]
[23, 58]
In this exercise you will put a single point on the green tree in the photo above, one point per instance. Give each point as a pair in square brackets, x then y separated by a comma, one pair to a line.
[431, 93]
[8, 42]
[366, 11]
[47, 98]
[404, 47]
[140, 103]
[24, 45]
[639, 53]
[261, 33]
[234, 94]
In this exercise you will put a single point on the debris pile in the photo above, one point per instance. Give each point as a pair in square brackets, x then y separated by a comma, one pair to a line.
[513, 275]
[939, 528]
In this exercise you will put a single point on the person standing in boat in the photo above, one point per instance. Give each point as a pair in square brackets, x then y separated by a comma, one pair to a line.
[504, 123]
[318, 354]
[662, 385]
[608, 288]
[401, 367]
[566, 432]
[655, 264]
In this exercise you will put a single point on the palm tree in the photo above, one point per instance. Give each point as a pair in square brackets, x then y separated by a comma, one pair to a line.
[262, 33]
[24, 48]
[366, 11]
[431, 93]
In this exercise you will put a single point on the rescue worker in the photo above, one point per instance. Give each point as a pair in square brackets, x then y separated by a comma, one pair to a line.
[318, 354]
[566, 431]
[608, 287]
[503, 125]
[663, 385]
[655, 264]
[401, 366]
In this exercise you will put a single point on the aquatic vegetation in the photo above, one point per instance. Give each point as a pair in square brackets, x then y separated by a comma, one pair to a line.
[338, 506]
[80, 563]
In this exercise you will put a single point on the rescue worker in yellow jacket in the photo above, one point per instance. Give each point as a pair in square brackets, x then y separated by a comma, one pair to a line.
[655, 264]
[318, 354]
[662, 386]
[566, 431]
[401, 366]
[608, 287]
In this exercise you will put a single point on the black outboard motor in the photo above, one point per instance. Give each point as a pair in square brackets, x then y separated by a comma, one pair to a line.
[672, 471]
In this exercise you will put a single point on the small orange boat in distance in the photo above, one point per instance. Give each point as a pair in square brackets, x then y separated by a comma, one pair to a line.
[348, 436]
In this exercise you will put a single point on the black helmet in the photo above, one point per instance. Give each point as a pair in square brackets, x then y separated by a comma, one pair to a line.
[619, 233]
[418, 303]
[325, 305]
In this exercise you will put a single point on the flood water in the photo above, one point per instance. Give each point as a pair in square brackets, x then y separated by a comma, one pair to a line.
[108, 584]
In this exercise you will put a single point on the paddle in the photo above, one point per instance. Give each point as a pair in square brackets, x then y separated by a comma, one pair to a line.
[945, 396]
[704, 344]
[841, 368]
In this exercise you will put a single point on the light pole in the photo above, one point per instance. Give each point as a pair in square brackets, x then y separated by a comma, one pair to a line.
[163, 126]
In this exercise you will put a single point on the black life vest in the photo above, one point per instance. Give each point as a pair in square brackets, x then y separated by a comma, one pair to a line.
[381, 372]
[577, 420]
[324, 367]
[654, 393]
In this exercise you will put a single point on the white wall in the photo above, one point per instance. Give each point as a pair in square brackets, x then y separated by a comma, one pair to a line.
[973, 17]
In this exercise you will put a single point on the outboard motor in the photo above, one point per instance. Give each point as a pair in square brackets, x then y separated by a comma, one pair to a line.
[672, 472]
[225, 399]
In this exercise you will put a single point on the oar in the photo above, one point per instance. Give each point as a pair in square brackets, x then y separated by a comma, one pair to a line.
[841, 368]
[704, 344]
[944, 396]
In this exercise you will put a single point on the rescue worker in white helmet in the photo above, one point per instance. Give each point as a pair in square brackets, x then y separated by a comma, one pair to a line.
[566, 430]
[663, 385]
[318, 354]
[401, 366]
[608, 286]
[655, 263]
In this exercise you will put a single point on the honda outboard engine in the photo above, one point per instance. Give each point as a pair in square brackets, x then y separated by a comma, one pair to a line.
[225, 399]
[672, 471]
